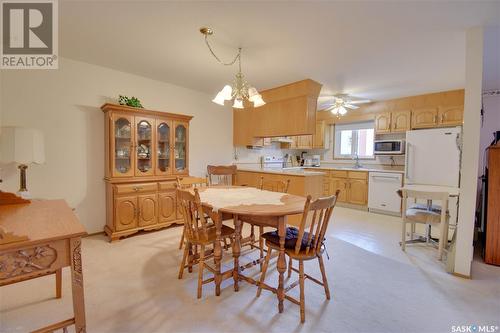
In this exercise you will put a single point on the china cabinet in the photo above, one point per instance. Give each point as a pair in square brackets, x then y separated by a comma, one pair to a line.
[145, 151]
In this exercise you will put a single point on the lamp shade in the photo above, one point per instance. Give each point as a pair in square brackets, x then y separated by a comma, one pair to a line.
[238, 104]
[21, 145]
[219, 99]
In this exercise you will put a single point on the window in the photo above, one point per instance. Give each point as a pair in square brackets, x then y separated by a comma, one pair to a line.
[354, 139]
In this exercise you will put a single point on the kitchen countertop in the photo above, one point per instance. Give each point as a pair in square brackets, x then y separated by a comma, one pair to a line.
[360, 169]
[301, 172]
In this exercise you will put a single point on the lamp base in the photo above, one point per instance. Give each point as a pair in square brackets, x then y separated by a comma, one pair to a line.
[24, 194]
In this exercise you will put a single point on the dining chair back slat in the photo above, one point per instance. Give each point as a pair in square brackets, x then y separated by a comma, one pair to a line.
[322, 209]
[221, 174]
[195, 223]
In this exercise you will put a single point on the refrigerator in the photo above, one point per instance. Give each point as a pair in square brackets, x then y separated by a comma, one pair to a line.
[433, 158]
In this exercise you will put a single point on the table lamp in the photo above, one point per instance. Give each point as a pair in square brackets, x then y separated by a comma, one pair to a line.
[23, 146]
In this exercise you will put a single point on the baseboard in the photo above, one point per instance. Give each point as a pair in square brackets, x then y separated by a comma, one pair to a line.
[468, 277]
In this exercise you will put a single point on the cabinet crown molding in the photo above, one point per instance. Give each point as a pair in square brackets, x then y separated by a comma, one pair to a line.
[107, 107]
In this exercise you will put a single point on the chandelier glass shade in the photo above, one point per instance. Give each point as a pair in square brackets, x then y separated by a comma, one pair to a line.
[240, 90]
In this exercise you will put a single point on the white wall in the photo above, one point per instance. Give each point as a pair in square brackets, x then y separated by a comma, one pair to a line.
[65, 105]
[470, 150]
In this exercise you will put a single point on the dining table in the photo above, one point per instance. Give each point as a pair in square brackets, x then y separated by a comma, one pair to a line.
[254, 206]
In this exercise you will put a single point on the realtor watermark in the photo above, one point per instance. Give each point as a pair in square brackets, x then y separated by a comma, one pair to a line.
[29, 34]
[474, 329]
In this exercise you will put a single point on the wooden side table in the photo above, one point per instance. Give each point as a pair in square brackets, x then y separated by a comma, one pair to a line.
[40, 238]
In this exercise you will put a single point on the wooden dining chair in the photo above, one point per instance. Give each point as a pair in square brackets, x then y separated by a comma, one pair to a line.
[221, 174]
[302, 245]
[268, 185]
[428, 214]
[188, 182]
[198, 233]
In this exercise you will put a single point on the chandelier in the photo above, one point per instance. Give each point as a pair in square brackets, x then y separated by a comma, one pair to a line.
[240, 90]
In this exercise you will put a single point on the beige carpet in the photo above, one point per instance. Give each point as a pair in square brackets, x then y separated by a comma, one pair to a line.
[132, 286]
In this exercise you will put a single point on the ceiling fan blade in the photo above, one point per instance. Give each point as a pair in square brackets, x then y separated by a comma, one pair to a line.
[329, 108]
[350, 106]
[361, 101]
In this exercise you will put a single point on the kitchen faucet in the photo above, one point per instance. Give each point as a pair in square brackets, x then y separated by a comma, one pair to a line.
[357, 165]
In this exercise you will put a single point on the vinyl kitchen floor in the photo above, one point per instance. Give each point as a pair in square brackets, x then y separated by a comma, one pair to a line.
[132, 286]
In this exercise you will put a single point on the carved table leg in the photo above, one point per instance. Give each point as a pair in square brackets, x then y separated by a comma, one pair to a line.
[217, 218]
[59, 283]
[77, 284]
[236, 250]
[281, 263]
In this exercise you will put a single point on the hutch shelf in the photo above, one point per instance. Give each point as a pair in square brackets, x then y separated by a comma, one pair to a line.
[145, 151]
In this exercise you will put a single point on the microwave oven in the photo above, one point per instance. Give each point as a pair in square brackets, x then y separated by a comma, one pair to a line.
[389, 147]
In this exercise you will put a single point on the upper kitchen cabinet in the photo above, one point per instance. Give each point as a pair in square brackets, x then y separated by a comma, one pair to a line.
[319, 135]
[450, 115]
[400, 121]
[383, 123]
[290, 110]
[145, 144]
[424, 118]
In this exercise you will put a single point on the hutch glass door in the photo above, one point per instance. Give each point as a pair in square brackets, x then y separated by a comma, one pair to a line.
[144, 147]
[122, 159]
[163, 146]
[180, 149]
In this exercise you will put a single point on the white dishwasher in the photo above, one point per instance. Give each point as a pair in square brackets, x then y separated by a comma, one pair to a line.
[382, 192]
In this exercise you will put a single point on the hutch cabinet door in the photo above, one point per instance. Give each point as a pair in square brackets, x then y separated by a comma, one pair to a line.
[358, 191]
[168, 206]
[450, 115]
[400, 121]
[121, 144]
[148, 208]
[383, 122]
[125, 213]
[180, 147]
[144, 146]
[163, 147]
[424, 118]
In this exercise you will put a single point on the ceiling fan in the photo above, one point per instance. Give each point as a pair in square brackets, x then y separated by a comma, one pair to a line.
[338, 104]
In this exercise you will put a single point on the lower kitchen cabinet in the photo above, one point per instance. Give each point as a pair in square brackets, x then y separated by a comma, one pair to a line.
[340, 184]
[358, 192]
[353, 185]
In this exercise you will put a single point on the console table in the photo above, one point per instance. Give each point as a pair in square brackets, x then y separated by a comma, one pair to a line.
[40, 238]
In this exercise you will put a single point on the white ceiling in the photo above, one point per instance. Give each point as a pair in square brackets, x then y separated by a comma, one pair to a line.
[375, 50]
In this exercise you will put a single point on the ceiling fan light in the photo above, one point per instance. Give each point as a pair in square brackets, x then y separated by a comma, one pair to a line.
[219, 99]
[335, 110]
[238, 104]
[258, 101]
[227, 92]
[342, 110]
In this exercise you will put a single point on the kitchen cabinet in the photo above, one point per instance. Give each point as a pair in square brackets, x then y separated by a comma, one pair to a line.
[383, 123]
[353, 185]
[424, 118]
[319, 135]
[145, 151]
[400, 121]
[450, 115]
[357, 192]
[290, 110]
[392, 122]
